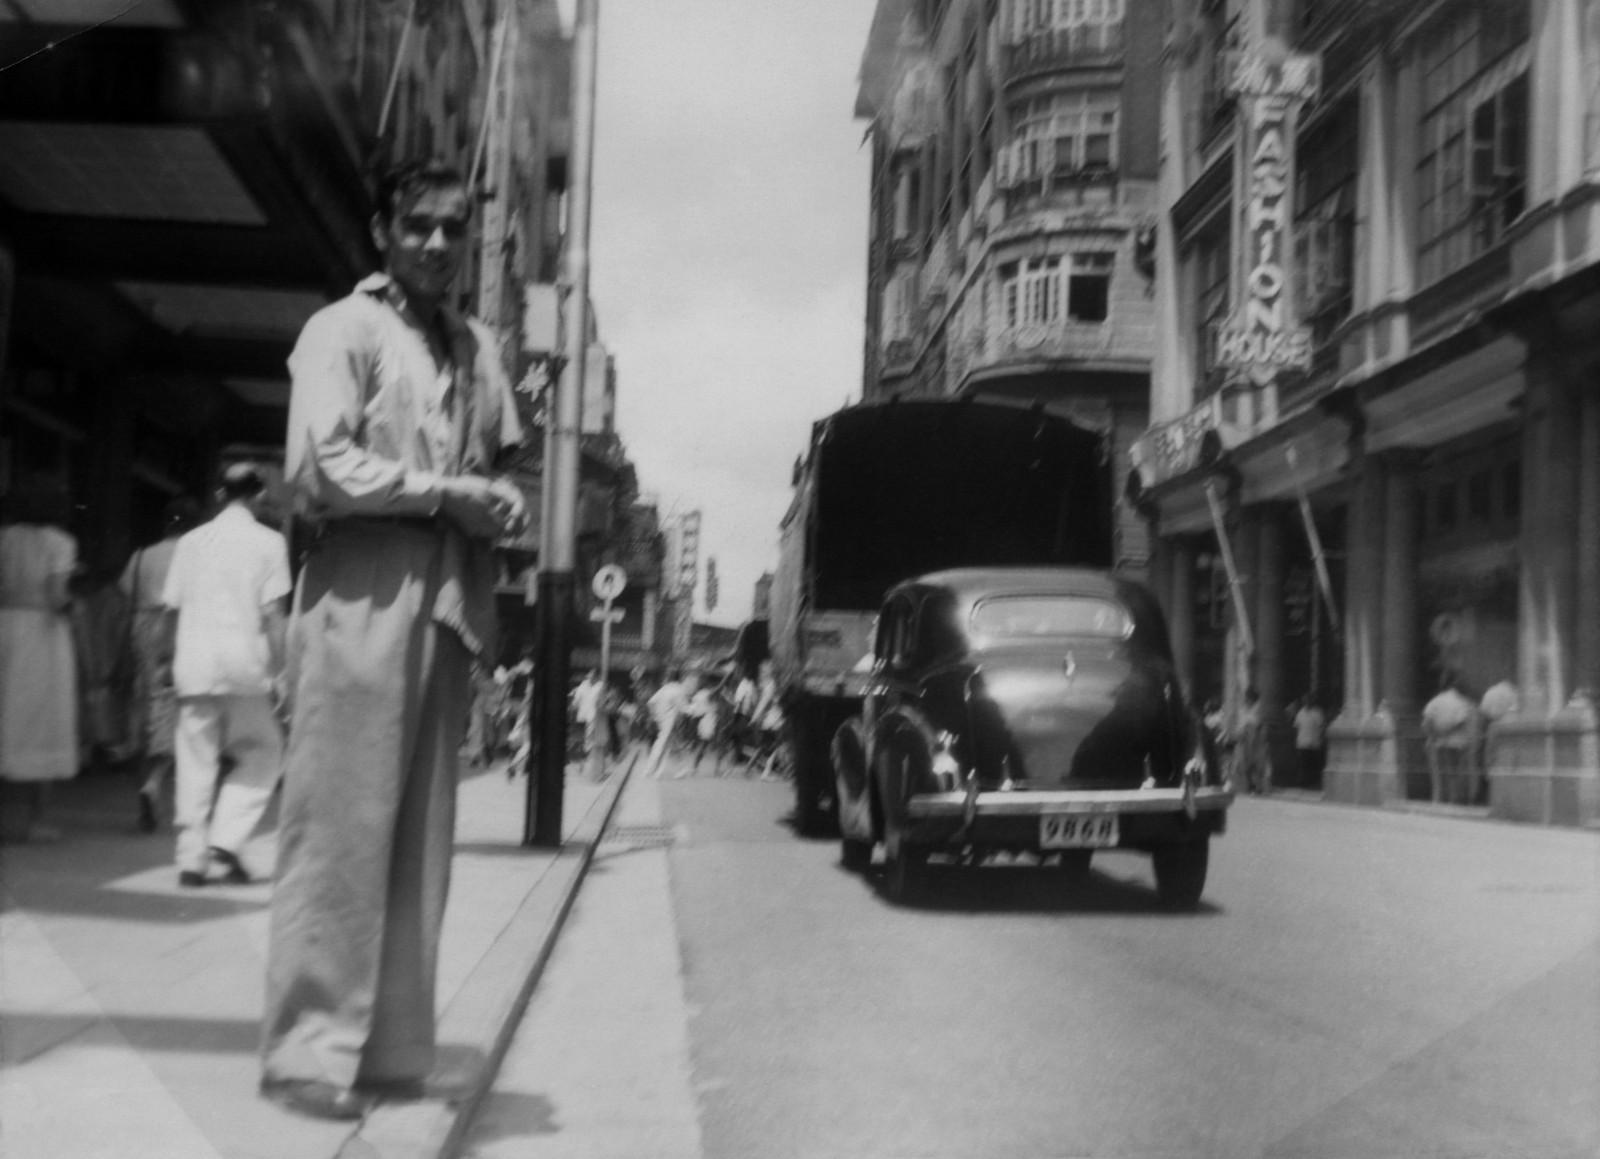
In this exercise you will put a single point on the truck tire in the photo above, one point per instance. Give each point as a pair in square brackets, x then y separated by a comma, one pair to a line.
[1180, 871]
[813, 775]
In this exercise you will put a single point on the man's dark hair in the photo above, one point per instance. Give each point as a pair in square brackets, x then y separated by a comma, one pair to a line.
[242, 481]
[401, 179]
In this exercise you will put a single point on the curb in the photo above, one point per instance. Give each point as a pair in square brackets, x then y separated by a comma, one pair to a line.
[490, 1005]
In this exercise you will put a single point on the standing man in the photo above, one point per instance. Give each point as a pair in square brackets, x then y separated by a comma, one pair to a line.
[398, 410]
[1310, 739]
[1449, 725]
[227, 589]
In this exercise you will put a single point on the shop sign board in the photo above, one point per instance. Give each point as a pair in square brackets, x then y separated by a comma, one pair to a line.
[1262, 337]
[1172, 448]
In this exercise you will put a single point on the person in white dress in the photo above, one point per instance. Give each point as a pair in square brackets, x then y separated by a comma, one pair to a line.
[38, 665]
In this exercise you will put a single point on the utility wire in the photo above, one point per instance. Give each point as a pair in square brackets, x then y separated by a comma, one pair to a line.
[52, 45]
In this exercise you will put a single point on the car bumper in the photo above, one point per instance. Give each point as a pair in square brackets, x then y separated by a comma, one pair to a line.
[1145, 817]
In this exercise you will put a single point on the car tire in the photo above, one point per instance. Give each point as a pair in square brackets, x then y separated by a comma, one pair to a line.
[904, 872]
[1180, 871]
[855, 854]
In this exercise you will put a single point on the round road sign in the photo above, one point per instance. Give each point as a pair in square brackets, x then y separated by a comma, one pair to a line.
[609, 581]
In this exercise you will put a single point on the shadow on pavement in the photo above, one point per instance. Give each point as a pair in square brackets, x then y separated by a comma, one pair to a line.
[950, 888]
[514, 1115]
[103, 867]
[30, 1034]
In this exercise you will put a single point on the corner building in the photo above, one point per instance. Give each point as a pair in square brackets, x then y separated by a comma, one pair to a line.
[1012, 231]
[1437, 454]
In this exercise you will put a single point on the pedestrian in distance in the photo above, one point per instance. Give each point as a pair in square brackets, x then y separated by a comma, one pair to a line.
[226, 601]
[1310, 740]
[399, 410]
[666, 705]
[38, 664]
[1450, 732]
[1250, 745]
[585, 701]
[1500, 700]
[155, 702]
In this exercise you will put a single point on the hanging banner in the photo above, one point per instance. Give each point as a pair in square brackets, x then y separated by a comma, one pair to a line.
[1262, 337]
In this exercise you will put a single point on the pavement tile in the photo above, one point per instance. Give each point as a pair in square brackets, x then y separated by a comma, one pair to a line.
[129, 1009]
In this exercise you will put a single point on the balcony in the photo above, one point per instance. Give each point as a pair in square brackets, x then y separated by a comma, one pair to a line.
[1055, 49]
[1018, 347]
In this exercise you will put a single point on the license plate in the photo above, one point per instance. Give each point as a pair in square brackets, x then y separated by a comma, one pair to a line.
[1077, 830]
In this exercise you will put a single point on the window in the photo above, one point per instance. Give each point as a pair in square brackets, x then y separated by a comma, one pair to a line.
[1077, 26]
[1065, 135]
[1444, 509]
[1089, 287]
[1479, 509]
[1044, 291]
[1030, 292]
[1206, 260]
[1473, 149]
[1015, 617]
[1325, 221]
[1511, 489]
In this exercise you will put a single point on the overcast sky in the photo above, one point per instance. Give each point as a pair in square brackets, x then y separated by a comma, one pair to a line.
[728, 252]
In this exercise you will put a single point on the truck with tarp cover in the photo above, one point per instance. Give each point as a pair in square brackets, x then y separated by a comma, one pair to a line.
[889, 490]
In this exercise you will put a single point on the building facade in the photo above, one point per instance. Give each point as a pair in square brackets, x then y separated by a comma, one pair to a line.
[1011, 239]
[1374, 459]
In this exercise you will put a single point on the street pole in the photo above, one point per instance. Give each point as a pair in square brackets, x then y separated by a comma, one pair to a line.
[559, 502]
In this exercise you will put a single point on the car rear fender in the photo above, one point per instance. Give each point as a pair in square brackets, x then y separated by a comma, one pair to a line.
[902, 751]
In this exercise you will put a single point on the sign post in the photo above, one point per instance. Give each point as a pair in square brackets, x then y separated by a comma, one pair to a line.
[609, 583]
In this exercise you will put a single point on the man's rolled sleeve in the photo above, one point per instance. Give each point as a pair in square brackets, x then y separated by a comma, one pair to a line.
[330, 370]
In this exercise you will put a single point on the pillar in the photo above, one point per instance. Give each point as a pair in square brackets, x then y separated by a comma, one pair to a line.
[1586, 660]
[1364, 588]
[1270, 679]
[1398, 665]
[1560, 502]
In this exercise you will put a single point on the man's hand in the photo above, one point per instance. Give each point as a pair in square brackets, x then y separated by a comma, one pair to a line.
[483, 508]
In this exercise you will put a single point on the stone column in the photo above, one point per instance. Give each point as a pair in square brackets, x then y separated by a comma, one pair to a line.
[1399, 586]
[1586, 664]
[1560, 504]
[1402, 751]
[1363, 621]
[1181, 554]
[1269, 637]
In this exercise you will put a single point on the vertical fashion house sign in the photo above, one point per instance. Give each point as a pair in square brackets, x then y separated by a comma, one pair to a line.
[1262, 338]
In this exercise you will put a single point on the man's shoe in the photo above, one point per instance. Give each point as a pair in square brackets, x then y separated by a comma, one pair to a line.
[233, 870]
[317, 1099]
[189, 879]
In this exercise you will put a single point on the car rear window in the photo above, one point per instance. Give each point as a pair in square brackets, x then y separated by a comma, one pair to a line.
[1019, 617]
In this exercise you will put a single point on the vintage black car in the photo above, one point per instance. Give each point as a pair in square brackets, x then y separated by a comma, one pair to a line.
[1027, 709]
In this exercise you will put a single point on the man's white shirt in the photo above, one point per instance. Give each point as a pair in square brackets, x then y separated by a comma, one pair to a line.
[224, 575]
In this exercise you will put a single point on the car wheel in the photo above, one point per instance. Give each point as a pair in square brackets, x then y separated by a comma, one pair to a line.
[904, 868]
[1181, 872]
[1076, 861]
[855, 854]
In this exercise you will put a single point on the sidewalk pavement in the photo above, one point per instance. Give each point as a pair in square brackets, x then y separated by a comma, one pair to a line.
[130, 1009]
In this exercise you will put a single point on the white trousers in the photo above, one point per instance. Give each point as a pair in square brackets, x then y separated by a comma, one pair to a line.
[244, 730]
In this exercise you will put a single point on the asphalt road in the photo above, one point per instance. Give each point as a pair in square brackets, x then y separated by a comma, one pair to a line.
[1358, 983]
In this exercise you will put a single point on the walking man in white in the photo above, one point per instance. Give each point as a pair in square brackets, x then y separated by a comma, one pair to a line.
[228, 588]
